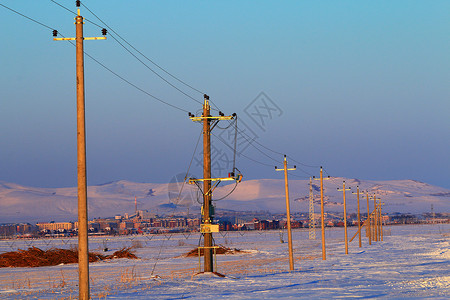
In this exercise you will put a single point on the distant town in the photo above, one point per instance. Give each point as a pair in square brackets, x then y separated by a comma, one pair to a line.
[143, 222]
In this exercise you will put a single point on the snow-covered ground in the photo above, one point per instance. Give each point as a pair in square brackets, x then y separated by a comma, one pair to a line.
[411, 262]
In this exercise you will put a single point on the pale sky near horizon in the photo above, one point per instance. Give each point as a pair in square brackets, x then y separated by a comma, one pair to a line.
[360, 87]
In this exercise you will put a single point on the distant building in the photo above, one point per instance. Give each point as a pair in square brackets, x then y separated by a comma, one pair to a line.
[55, 226]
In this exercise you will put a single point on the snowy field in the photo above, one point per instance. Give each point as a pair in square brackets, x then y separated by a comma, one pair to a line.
[411, 262]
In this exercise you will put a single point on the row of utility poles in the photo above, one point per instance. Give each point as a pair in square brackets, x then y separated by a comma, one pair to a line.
[373, 223]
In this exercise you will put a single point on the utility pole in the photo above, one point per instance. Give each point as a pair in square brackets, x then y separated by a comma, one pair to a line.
[345, 215]
[312, 221]
[368, 219]
[381, 223]
[324, 256]
[375, 219]
[83, 248]
[207, 228]
[359, 217]
[378, 214]
[288, 212]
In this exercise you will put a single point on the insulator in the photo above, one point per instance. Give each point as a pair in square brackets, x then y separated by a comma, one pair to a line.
[55, 32]
[78, 3]
[104, 31]
[206, 97]
[234, 114]
[220, 113]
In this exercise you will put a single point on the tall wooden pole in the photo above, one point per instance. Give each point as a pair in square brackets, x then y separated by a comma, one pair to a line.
[288, 212]
[359, 217]
[368, 219]
[83, 248]
[324, 256]
[207, 193]
[345, 216]
[381, 224]
[375, 219]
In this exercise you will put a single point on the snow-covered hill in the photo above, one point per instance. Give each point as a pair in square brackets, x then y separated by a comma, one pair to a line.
[31, 204]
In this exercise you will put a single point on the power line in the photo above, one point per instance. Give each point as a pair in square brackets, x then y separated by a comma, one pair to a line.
[31, 19]
[254, 160]
[154, 63]
[135, 56]
[135, 86]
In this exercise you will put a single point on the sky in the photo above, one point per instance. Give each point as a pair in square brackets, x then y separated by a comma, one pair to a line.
[361, 88]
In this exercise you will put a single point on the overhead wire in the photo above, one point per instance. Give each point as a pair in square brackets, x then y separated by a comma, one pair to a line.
[31, 19]
[143, 55]
[132, 54]
[146, 65]
[189, 167]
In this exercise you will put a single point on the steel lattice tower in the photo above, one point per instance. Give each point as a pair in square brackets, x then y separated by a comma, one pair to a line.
[312, 221]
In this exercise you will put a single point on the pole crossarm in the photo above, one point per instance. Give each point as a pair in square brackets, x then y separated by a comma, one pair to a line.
[193, 180]
[85, 38]
[219, 118]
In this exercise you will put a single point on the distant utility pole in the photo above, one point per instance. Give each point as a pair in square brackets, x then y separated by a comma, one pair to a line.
[378, 214]
[312, 221]
[432, 214]
[83, 249]
[345, 215]
[288, 212]
[359, 217]
[375, 219]
[324, 256]
[368, 219]
[207, 228]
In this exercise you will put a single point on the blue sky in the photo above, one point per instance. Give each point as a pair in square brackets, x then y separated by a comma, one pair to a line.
[360, 87]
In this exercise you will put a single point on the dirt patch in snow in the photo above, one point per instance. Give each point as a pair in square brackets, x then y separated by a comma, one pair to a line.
[220, 250]
[35, 257]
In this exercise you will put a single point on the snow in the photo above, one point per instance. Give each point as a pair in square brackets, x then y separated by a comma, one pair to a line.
[411, 262]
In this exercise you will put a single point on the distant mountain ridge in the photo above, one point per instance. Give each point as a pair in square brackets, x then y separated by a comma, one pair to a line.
[31, 204]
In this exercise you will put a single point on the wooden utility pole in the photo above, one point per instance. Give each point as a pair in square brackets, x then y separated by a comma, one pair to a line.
[207, 196]
[288, 212]
[378, 214]
[359, 217]
[83, 248]
[381, 223]
[312, 220]
[368, 219]
[375, 219]
[345, 215]
[207, 228]
[324, 256]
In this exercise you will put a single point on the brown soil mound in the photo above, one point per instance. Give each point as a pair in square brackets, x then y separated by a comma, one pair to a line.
[35, 257]
[220, 250]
